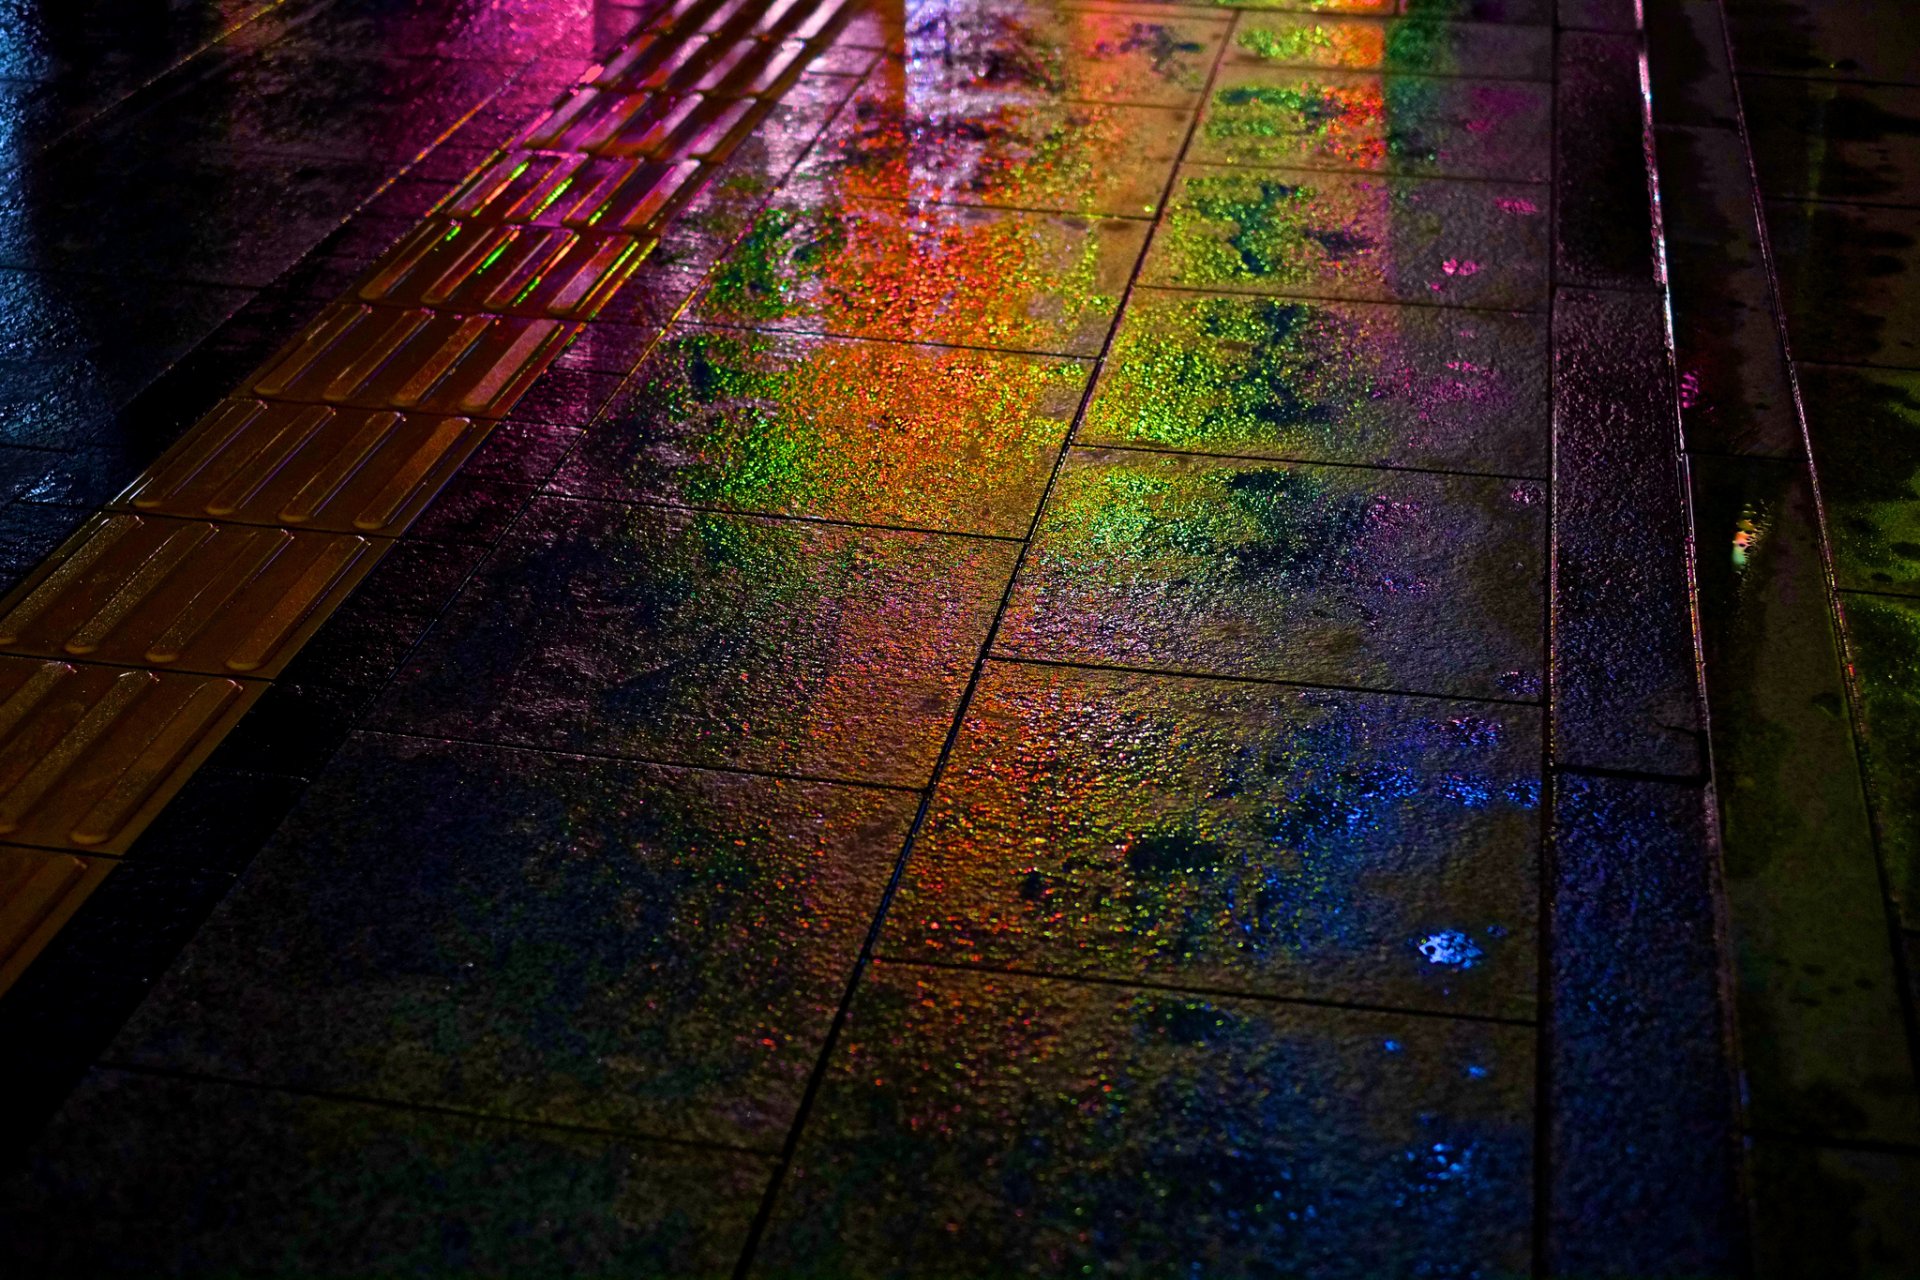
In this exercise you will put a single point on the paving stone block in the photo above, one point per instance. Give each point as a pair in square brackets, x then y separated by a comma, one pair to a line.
[1625, 689]
[1234, 837]
[1640, 1040]
[710, 639]
[930, 273]
[1325, 382]
[1364, 121]
[1382, 579]
[1603, 208]
[899, 140]
[598, 944]
[313, 1187]
[975, 1124]
[1833, 1211]
[1415, 45]
[883, 433]
[1364, 238]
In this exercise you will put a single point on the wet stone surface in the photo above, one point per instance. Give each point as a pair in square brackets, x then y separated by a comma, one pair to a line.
[264, 1178]
[1325, 382]
[702, 638]
[1234, 837]
[1388, 580]
[1418, 45]
[969, 146]
[878, 433]
[1329, 235]
[616, 753]
[1338, 120]
[1014, 49]
[592, 943]
[939, 273]
[1010, 1126]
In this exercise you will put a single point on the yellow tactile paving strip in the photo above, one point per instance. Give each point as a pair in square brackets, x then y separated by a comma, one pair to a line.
[137, 646]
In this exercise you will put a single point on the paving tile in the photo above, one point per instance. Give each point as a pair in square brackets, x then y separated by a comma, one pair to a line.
[1001, 1126]
[1865, 429]
[1885, 636]
[74, 350]
[1147, 54]
[142, 1175]
[1325, 382]
[1862, 39]
[1817, 994]
[1234, 837]
[282, 101]
[1833, 1211]
[1364, 238]
[1734, 392]
[1640, 1042]
[1625, 687]
[1363, 121]
[930, 437]
[1846, 275]
[933, 273]
[1418, 45]
[1392, 580]
[1821, 139]
[710, 639]
[220, 219]
[903, 141]
[1603, 216]
[594, 943]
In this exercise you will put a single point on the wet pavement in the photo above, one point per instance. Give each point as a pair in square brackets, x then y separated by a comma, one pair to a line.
[979, 637]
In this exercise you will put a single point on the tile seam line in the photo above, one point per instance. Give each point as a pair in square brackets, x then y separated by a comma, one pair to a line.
[650, 762]
[59, 139]
[378, 546]
[1201, 990]
[863, 960]
[1176, 673]
[1837, 616]
[418, 1107]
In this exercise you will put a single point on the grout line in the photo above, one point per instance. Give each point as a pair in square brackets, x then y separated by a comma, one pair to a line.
[1201, 989]
[817, 1078]
[1001, 655]
[649, 762]
[442, 1109]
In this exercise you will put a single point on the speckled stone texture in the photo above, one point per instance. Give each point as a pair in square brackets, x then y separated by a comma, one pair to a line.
[1013, 705]
[1625, 688]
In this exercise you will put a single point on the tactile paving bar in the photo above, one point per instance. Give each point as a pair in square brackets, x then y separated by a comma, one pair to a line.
[116, 678]
[88, 754]
[640, 125]
[307, 467]
[183, 595]
[38, 891]
[414, 359]
[504, 270]
[610, 193]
